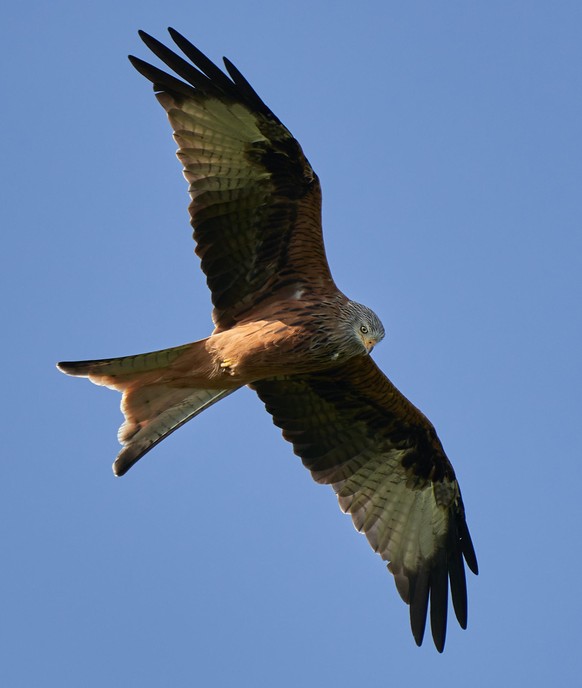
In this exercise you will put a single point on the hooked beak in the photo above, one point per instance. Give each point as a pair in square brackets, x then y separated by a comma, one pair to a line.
[370, 344]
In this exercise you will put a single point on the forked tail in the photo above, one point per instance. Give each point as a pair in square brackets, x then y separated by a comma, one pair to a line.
[160, 394]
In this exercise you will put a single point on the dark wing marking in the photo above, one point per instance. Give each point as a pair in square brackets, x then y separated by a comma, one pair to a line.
[256, 202]
[354, 430]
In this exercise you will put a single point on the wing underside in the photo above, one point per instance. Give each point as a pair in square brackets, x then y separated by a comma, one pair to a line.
[255, 200]
[355, 431]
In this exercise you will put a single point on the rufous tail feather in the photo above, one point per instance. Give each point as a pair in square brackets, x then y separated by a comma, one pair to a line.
[157, 398]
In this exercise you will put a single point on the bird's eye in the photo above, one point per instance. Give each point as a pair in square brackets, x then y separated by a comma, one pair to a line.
[363, 329]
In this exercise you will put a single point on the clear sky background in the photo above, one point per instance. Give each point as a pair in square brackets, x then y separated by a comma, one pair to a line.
[447, 136]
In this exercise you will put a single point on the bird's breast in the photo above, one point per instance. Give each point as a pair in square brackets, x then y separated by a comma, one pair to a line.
[273, 347]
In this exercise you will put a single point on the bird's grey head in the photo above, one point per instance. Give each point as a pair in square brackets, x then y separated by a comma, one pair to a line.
[364, 327]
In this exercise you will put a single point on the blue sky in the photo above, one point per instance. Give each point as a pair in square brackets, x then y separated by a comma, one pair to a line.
[447, 138]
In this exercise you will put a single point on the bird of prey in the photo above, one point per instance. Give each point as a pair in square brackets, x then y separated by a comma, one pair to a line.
[284, 329]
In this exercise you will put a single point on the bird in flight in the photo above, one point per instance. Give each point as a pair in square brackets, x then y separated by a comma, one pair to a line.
[285, 330]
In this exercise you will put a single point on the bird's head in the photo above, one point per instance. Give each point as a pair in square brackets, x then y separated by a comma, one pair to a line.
[365, 326]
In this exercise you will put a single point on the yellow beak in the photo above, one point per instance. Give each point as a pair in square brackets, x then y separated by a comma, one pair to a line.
[369, 344]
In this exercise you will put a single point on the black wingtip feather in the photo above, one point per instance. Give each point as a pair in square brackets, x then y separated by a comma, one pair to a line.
[182, 68]
[458, 588]
[248, 92]
[159, 78]
[419, 594]
[203, 63]
[439, 600]
[469, 552]
[202, 74]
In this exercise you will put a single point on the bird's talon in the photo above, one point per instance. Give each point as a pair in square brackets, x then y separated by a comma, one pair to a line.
[227, 366]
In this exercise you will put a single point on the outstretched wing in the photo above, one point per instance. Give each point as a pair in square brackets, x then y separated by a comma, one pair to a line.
[256, 202]
[354, 430]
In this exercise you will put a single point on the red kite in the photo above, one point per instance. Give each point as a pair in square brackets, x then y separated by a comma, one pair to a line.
[283, 328]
